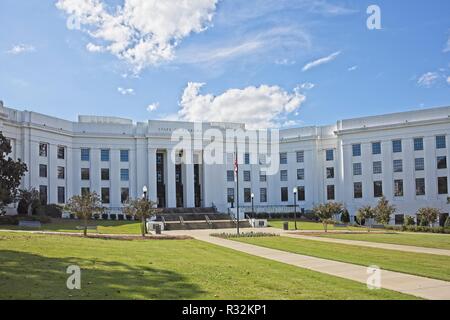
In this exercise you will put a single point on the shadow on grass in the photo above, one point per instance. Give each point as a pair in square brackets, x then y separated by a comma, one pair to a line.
[31, 276]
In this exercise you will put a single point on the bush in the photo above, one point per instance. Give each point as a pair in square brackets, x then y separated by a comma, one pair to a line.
[447, 222]
[14, 220]
[409, 221]
[50, 210]
[120, 217]
[22, 207]
[345, 217]
[419, 228]
[129, 218]
[96, 216]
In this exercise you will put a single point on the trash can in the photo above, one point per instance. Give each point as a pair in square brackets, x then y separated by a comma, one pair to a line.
[157, 229]
[285, 225]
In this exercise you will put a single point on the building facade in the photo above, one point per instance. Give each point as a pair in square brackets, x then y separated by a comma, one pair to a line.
[402, 156]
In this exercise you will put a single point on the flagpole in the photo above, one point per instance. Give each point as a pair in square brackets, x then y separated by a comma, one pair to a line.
[236, 168]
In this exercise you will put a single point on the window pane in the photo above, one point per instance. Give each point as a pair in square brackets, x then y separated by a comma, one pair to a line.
[377, 189]
[43, 194]
[230, 175]
[440, 142]
[247, 176]
[398, 165]
[124, 175]
[330, 192]
[124, 155]
[284, 175]
[105, 195]
[85, 154]
[61, 152]
[61, 195]
[357, 169]
[283, 158]
[230, 195]
[330, 173]
[300, 156]
[301, 193]
[105, 174]
[420, 187]
[398, 188]
[84, 173]
[263, 195]
[357, 190]
[124, 195]
[442, 185]
[356, 149]
[42, 171]
[442, 162]
[418, 144]
[104, 155]
[262, 176]
[61, 173]
[419, 164]
[329, 155]
[247, 195]
[397, 146]
[376, 148]
[284, 194]
[377, 167]
[300, 174]
[43, 149]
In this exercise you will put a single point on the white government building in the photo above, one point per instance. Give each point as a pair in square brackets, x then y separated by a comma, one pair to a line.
[402, 156]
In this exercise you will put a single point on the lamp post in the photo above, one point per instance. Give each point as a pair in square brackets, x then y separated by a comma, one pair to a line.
[253, 208]
[295, 207]
[144, 190]
[144, 196]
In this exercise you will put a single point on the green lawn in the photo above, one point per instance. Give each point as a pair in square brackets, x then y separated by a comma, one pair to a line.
[306, 225]
[440, 241]
[427, 265]
[34, 266]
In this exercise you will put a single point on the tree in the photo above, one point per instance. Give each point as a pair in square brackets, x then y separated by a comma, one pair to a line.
[326, 212]
[428, 215]
[345, 216]
[383, 211]
[11, 172]
[367, 213]
[447, 222]
[28, 198]
[85, 206]
[140, 208]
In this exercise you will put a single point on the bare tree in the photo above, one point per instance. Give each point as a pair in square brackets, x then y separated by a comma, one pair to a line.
[140, 208]
[85, 206]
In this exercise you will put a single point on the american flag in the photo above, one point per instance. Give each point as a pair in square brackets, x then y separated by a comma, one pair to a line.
[235, 169]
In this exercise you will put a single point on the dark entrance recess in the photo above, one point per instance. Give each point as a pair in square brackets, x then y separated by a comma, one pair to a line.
[197, 186]
[179, 185]
[399, 219]
[160, 185]
[442, 218]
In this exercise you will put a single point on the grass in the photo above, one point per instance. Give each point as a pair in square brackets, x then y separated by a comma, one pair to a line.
[307, 225]
[426, 265]
[33, 266]
[439, 241]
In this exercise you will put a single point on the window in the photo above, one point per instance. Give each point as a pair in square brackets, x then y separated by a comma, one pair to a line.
[262, 176]
[357, 169]
[330, 173]
[398, 188]
[247, 158]
[397, 146]
[283, 158]
[85, 174]
[230, 175]
[419, 164]
[377, 167]
[442, 162]
[301, 193]
[376, 148]
[61, 173]
[85, 154]
[85, 191]
[124, 175]
[357, 190]
[300, 174]
[284, 194]
[442, 185]
[283, 175]
[300, 156]
[43, 149]
[61, 195]
[43, 194]
[356, 150]
[61, 152]
[440, 142]
[263, 195]
[124, 155]
[330, 192]
[43, 171]
[104, 155]
[105, 195]
[105, 174]
[377, 189]
[247, 195]
[418, 144]
[124, 195]
[230, 195]
[420, 187]
[247, 176]
[329, 154]
[398, 165]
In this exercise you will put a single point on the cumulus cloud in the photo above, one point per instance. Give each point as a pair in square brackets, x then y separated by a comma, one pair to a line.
[321, 61]
[428, 79]
[259, 107]
[21, 48]
[125, 91]
[152, 107]
[140, 32]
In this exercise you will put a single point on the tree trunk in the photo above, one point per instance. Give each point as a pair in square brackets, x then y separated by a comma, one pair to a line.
[325, 227]
[85, 226]
[143, 226]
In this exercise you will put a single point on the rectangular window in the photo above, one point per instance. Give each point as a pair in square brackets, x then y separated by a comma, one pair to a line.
[124, 195]
[105, 195]
[357, 169]
[418, 144]
[105, 174]
[124, 155]
[247, 158]
[377, 189]
[376, 148]
[356, 150]
[124, 175]
[420, 187]
[104, 155]
[300, 174]
[330, 173]
[300, 156]
[398, 165]
[43, 171]
[85, 191]
[263, 195]
[61, 195]
[61, 152]
[357, 190]
[247, 195]
[442, 185]
[440, 142]
[61, 173]
[397, 146]
[85, 154]
[43, 149]
[262, 176]
[419, 164]
[442, 162]
[329, 154]
[377, 167]
[85, 174]
[284, 194]
[230, 195]
[301, 196]
[283, 158]
[398, 188]
[247, 176]
[283, 175]
[230, 175]
[43, 195]
[330, 192]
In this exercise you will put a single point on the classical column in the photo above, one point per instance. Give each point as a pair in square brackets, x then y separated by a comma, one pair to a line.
[188, 181]
[171, 191]
[152, 183]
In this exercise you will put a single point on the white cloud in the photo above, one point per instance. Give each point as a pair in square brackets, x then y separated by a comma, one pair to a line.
[353, 68]
[125, 91]
[259, 107]
[152, 107]
[94, 48]
[141, 32]
[307, 86]
[21, 48]
[284, 62]
[321, 61]
[448, 80]
[447, 46]
[428, 79]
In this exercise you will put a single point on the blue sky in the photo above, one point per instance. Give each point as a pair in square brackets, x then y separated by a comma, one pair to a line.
[224, 60]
